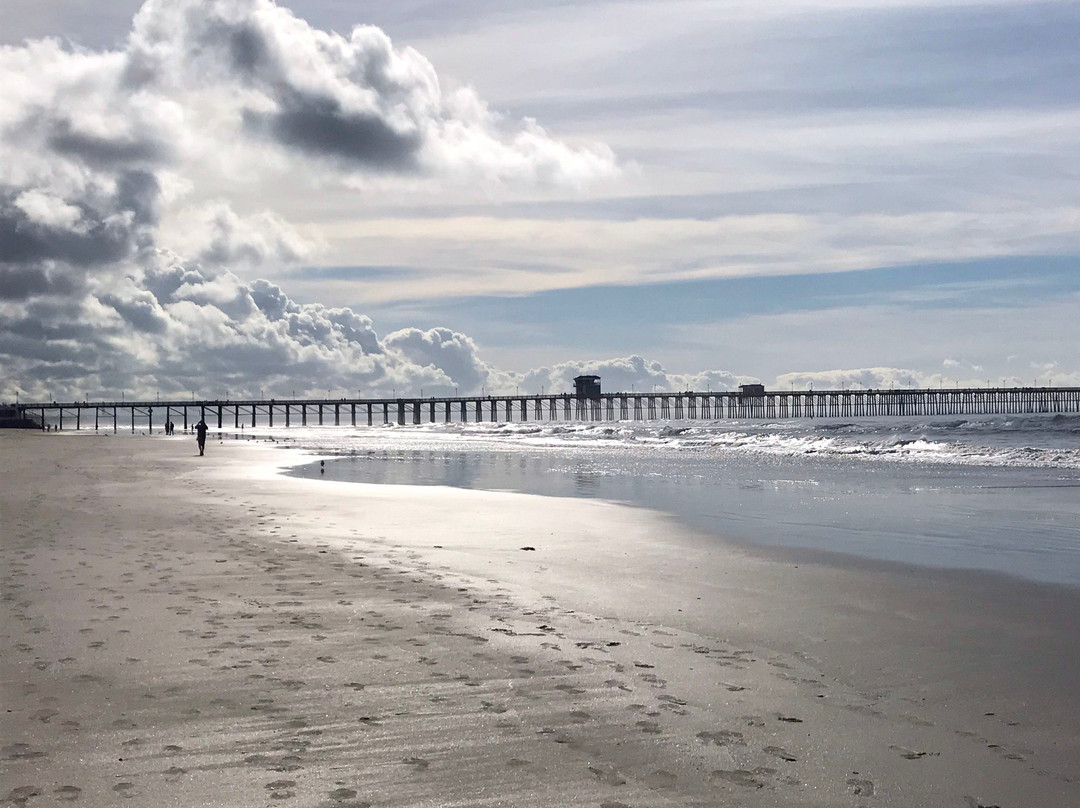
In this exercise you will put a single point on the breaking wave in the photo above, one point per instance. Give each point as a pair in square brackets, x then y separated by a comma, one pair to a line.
[1008, 441]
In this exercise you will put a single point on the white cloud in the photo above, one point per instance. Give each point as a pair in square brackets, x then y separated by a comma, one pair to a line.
[626, 374]
[854, 378]
[213, 233]
[110, 276]
[488, 255]
[49, 211]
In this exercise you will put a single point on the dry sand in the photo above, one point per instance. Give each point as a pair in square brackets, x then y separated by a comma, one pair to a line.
[193, 631]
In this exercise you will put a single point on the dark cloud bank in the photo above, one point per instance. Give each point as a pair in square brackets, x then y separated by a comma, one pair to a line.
[91, 304]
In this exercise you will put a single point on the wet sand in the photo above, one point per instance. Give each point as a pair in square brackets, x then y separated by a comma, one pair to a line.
[184, 630]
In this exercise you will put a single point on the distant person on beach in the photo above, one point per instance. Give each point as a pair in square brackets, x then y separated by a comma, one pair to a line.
[200, 433]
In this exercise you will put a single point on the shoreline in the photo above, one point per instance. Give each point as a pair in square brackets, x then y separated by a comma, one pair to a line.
[617, 662]
[693, 528]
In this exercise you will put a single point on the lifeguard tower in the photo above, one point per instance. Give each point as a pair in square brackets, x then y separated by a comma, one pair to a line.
[587, 387]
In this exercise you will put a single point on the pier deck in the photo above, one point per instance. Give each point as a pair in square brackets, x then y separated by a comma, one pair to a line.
[708, 406]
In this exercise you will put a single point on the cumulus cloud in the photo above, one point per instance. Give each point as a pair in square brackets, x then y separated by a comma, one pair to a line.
[626, 374]
[855, 378]
[453, 356]
[959, 374]
[109, 280]
[356, 102]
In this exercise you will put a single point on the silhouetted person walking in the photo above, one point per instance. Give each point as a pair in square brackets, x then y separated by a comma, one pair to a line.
[200, 435]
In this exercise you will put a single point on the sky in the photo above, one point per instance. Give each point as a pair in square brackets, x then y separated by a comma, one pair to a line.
[242, 197]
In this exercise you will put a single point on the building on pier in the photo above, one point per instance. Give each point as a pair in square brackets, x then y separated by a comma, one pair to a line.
[586, 404]
[15, 418]
[587, 387]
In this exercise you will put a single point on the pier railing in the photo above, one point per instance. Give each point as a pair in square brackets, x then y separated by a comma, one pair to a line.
[709, 406]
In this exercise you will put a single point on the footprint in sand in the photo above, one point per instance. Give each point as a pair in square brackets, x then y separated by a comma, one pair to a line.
[607, 775]
[23, 794]
[281, 789]
[661, 778]
[749, 778]
[911, 754]
[780, 752]
[125, 789]
[288, 763]
[342, 794]
[974, 803]
[68, 793]
[722, 737]
[861, 788]
[20, 751]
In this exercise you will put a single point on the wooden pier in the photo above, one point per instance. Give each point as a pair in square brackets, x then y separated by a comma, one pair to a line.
[709, 406]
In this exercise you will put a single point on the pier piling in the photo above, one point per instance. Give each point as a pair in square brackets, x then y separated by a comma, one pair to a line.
[633, 406]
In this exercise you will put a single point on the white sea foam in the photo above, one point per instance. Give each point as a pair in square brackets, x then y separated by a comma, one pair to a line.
[1008, 441]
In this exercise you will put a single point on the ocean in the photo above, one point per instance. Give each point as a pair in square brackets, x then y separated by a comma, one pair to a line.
[992, 493]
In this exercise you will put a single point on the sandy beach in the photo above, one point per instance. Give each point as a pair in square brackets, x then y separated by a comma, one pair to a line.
[182, 630]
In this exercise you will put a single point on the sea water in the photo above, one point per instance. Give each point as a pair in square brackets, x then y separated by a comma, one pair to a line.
[993, 493]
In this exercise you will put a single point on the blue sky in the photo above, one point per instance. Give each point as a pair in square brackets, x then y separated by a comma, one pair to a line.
[645, 319]
[762, 189]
